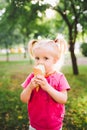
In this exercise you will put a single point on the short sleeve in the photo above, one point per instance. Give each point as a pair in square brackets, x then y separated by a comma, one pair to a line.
[27, 80]
[63, 83]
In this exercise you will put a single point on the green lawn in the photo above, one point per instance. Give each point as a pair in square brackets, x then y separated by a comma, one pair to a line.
[13, 113]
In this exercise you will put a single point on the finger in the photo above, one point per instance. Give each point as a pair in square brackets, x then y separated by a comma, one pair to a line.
[39, 76]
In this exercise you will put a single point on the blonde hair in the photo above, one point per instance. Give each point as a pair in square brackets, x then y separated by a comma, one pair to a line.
[58, 45]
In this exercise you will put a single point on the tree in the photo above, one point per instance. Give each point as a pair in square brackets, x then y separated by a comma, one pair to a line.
[72, 12]
[22, 15]
[8, 33]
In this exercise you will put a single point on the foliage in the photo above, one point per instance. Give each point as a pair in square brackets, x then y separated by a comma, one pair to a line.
[23, 16]
[13, 113]
[84, 49]
[9, 33]
[76, 106]
[73, 13]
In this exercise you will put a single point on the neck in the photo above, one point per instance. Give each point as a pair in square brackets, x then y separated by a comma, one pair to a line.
[51, 72]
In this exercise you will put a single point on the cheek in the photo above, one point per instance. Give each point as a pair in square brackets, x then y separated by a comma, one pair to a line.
[48, 66]
[48, 63]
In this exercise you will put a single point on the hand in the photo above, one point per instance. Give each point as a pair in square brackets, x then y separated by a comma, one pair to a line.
[33, 84]
[40, 80]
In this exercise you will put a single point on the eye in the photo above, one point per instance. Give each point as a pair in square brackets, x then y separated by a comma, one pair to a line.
[37, 58]
[46, 58]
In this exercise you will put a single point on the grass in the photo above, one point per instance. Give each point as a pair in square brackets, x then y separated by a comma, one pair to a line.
[13, 113]
[76, 107]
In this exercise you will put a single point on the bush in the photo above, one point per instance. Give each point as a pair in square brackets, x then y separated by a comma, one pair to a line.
[84, 49]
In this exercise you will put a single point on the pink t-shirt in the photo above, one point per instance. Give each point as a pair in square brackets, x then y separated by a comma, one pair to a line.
[43, 111]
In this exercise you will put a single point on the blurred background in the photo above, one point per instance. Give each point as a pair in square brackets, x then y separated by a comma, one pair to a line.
[23, 20]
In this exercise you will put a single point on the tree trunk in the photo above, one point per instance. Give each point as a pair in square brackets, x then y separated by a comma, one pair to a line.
[73, 59]
[25, 48]
[7, 53]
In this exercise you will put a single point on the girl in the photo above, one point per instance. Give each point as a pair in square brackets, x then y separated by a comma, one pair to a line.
[46, 108]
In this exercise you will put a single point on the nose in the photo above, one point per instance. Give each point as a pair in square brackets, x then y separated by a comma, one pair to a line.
[41, 61]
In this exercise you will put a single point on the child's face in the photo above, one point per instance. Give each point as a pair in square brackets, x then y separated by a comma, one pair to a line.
[44, 56]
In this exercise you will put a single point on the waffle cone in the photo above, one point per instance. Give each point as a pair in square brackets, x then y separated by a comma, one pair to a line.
[39, 69]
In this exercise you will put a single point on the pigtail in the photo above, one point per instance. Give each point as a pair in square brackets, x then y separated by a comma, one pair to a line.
[61, 43]
[61, 47]
[30, 47]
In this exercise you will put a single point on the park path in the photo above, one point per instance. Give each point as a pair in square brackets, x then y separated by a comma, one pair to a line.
[80, 59]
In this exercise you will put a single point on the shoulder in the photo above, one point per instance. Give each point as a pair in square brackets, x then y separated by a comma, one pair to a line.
[30, 76]
[61, 81]
[27, 80]
[58, 75]
[54, 78]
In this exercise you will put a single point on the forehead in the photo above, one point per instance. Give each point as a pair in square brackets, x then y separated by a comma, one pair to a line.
[45, 47]
[43, 43]
[43, 51]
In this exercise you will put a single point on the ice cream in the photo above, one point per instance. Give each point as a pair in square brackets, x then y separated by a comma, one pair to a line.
[39, 69]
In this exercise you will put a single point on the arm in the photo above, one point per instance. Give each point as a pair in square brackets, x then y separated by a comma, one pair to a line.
[26, 93]
[58, 96]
